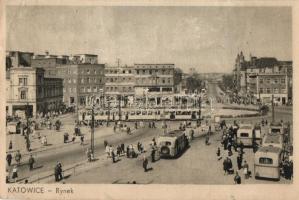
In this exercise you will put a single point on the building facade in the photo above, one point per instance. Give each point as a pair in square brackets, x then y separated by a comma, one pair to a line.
[262, 78]
[120, 81]
[28, 90]
[83, 77]
[155, 79]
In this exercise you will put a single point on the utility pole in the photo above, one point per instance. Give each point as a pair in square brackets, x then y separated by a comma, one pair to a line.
[92, 130]
[119, 107]
[273, 117]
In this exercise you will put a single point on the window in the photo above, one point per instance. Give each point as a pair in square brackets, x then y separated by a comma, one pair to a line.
[244, 134]
[137, 71]
[261, 90]
[70, 90]
[95, 71]
[94, 89]
[168, 80]
[283, 81]
[275, 80]
[130, 71]
[69, 80]
[124, 71]
[88, 71]
[268, 80]
[95, 80]
[22, 81]
[163, 81]
[150, 71]
[74, 80]
[275, 90]
[266, 161]
[23, 94]
[268, 90]
[82, 80]
[143, 71]
[261, 80]
[88, 80]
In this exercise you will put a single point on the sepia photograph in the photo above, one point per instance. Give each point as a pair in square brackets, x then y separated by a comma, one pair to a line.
[168, 95]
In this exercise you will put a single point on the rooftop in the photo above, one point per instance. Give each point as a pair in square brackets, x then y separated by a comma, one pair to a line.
[269, 149]
[273, 138]
[174, 133]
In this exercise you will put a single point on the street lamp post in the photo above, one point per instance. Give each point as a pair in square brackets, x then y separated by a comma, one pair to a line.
[92, 129]
[272, 102]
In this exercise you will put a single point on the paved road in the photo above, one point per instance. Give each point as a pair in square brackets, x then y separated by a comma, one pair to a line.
[75, 153]
[197, 165]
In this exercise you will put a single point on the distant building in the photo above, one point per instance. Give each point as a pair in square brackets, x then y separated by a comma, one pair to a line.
[28, 89]
[263, 77]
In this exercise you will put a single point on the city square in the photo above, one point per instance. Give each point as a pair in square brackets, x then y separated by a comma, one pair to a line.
[75, 118]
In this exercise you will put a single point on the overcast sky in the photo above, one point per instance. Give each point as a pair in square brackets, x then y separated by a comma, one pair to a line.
[207, 38]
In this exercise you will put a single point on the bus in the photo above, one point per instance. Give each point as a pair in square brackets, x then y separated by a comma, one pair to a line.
[245, 134]
[267, 162]
[172, 144]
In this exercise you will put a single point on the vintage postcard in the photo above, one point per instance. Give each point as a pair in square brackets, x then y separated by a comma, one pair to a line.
[148, 100]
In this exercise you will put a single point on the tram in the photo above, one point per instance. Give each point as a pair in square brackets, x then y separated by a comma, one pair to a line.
[141, 114]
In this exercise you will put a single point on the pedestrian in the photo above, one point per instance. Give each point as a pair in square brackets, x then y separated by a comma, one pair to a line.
[237, 178]
[8, 158]
[192, 134]
[128, 151]
[122, 148]
[153, 153]
[207, 139]
[15, 173]
[118, 150]
[31, 162]
[246, 170]
[18, 157]
[10, 145]
[107, 150]
[239, 162]
[56, 173]
[218, 152]
[113, 156]
[145, 163]
[225, 166]
[88, 153]
[60, 176]
[82, 140]
[105, 143]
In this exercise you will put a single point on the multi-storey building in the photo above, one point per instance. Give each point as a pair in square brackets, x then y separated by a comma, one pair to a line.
[154, 78]
[120, 81]
[28, 90]
[83, 78]
[263, 78]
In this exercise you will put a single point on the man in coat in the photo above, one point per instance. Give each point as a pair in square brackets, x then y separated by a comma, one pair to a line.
[8, 158]
[145, 163]
[31, 162]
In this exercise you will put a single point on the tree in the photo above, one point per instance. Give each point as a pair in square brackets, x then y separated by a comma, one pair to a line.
[193, 83]
[228, 81]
